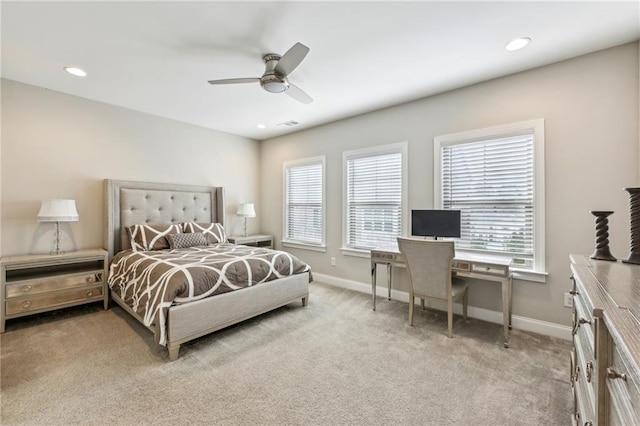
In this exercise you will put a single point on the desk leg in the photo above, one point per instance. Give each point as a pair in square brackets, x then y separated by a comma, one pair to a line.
[389, 280]
[506, 309]
[373, 283]
[510, 300]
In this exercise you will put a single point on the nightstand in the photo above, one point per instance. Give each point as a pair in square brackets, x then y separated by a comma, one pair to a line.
[42, 282]
[264, 241]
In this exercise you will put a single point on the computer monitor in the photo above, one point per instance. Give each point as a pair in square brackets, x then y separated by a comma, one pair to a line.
[435, 223]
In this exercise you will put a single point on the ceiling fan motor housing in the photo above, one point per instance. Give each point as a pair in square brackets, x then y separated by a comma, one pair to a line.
[270, 80]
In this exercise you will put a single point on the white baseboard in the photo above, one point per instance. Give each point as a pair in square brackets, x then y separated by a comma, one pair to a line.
[517, 322]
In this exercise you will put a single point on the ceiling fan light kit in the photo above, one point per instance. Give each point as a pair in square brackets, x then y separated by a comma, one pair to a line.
[277, 68]
[272, 81]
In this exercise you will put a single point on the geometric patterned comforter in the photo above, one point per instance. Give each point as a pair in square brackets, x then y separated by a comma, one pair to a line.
[151, 281]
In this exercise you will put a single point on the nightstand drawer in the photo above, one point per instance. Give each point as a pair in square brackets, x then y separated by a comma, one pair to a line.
[28, 304]
[43, 285]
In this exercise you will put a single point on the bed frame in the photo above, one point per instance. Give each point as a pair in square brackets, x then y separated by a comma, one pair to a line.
[128, 203]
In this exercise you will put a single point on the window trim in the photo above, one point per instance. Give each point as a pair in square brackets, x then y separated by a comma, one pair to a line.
[322, 246]
[399, 147]
[535, 127]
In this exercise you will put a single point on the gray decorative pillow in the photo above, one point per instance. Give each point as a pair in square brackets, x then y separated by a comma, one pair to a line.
[192, 239]
[214, 232]
[151, 237]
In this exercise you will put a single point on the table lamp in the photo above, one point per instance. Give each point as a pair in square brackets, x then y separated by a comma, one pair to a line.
[58, 211]
[246, 210]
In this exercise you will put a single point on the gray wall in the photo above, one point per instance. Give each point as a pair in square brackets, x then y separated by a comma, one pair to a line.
[55, 145]
[590, 107]
[60, 146]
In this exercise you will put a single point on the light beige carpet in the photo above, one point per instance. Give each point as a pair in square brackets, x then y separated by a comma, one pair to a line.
[333, 362]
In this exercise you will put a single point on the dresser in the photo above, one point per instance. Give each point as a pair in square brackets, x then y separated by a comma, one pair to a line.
[605, 361]
[41, 282]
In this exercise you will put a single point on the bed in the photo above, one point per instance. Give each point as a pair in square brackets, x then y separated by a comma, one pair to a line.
[178, 318]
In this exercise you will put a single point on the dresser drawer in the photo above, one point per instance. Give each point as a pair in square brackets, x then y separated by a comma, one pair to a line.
[43, 285]
[583, 325]
[585, 359]
[624, 395]
[584, 375]
[46, 301]
[585, 400]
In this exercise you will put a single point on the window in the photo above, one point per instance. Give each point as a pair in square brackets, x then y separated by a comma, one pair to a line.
[304, 203]
[374, 197]
[495, 177]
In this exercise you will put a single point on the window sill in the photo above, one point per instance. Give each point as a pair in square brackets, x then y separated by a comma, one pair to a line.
[525, 275]
[356, 252]
[312, 247]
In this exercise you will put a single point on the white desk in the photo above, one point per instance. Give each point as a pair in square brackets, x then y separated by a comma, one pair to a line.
[490, 269]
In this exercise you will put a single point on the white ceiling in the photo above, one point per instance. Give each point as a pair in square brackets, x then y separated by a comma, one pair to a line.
[156, 57]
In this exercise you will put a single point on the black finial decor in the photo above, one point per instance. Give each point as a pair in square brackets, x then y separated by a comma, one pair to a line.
[634, 204]
[602, 251]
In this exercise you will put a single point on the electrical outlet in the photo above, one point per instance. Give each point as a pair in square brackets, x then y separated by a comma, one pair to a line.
[333, 261]
[568, 300]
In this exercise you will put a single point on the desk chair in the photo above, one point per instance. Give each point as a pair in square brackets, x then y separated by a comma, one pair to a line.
[429, 264]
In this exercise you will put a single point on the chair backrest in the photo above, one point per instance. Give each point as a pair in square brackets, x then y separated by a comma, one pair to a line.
[429, 265]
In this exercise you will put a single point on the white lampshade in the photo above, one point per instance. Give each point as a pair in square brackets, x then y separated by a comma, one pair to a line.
[246, 210]
[58, 211]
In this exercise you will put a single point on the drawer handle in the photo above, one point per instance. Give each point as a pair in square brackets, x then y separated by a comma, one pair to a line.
[577, 324]
[613, 374]
[588, 423]
[26, 304]
[89, 293]
[577, 373]
[573, 292]
[26, 288]
[89, 279]
[589, 371]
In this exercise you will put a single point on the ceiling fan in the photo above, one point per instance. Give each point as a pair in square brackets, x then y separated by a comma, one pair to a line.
[277, 68]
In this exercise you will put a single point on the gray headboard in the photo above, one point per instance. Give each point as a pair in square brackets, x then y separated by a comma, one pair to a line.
[128, 203]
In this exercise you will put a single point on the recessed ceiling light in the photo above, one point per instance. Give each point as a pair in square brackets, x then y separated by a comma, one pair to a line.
[76, 71]
[517, 43]
[261, 126]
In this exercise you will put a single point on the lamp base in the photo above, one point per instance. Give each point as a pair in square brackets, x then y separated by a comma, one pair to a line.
[56, 242]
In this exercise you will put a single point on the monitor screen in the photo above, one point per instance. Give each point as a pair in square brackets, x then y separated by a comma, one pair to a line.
[435, 223]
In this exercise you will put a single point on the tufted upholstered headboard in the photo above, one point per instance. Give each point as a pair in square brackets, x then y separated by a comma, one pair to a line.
[128, 203]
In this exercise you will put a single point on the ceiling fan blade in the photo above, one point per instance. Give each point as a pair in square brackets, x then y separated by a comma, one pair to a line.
[298, 94]
[290, 60]
[235, 81]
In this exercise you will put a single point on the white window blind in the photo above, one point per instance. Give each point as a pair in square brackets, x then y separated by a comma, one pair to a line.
[374, 198]
[304, 199]
[492, 183]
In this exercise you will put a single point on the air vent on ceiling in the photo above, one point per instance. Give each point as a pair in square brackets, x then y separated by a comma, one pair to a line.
[289, 123]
